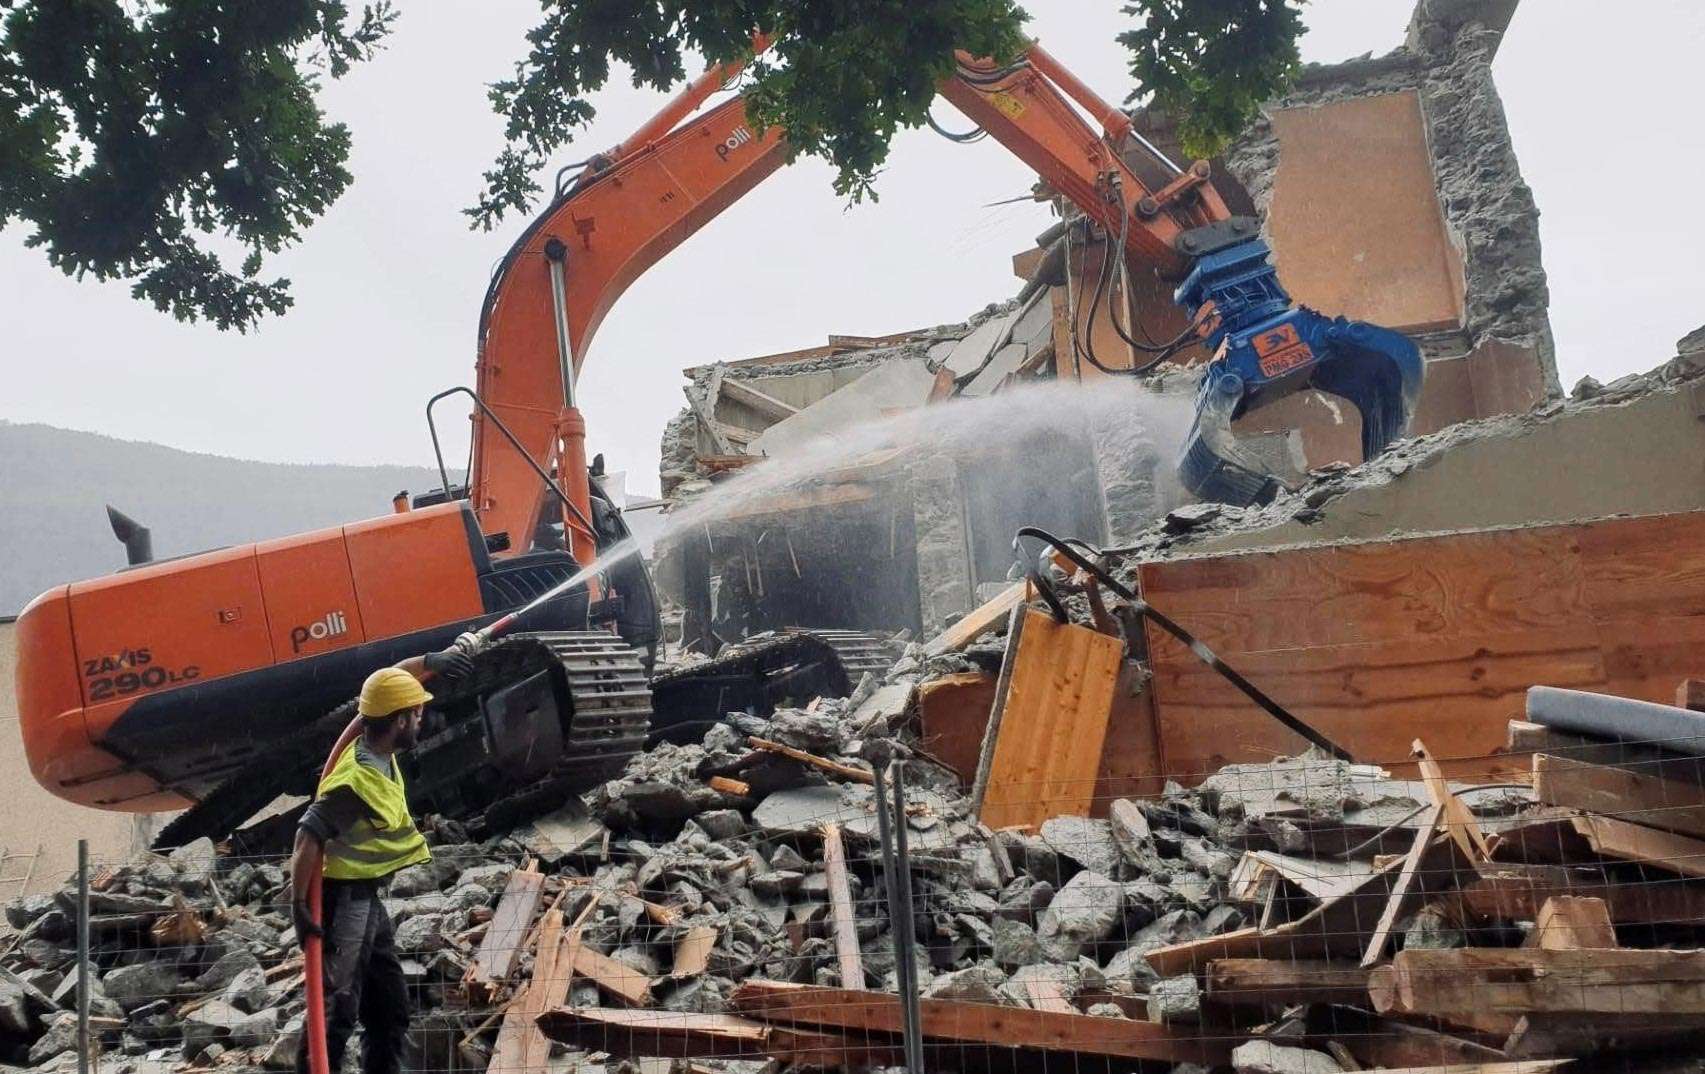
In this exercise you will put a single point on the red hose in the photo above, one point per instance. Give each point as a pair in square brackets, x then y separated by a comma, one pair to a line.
[313, 964]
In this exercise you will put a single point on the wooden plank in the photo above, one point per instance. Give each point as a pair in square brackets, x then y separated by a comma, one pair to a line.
[1637, 565]
[944, 1020]
[1458, 819]
[1053, 723]
[1530, 738]
[1132, 765]
[1648, 846]
[1516, 893]
[1569, 923]
[767, 405]
[1626, 795]
[528, 1049]
[841, 909]
[1380, 1042]
[952, 713]
[1489, 980]
[1406, 889]
[1690, 694]
[692, 951]
[1481, 584]
[822, 764]
[1266, 982]
[1436, 636]
[510, 926]
[617, 979]
[979, 621]
[1337, 928]
[506, 1051]
[1371, 698]
[679, 1035]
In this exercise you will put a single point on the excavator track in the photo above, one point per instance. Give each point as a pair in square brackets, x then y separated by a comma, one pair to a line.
[459, 766]
[860, 652]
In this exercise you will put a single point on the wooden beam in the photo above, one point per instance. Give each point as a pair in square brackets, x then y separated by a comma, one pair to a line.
[1690, 694]
[736, 787]
[511, 924]
[1530, 738]
[1635, 797]
[945, 1020]
[1457, 817]
[678, 1035]
[1569, 923]
[822, 764]
[1384, 1042]
[704, 408]
[952, 711]
[1406, 889]
[1267, 982]
[1491, 980]
[764, 403]
[1516, 893]
[618, 979]
[841, 908]
[1648, 846]
[1051, 724]
[979, 621]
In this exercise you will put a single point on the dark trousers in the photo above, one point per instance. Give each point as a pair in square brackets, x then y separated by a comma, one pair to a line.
[364, 980]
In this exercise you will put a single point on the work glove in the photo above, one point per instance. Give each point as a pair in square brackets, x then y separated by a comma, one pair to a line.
[303, 919]
[451, 665]
[471, 642]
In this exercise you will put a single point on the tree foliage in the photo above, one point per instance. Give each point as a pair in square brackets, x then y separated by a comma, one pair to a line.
[135, 137]
[139, 138]
[1210, 63]
[840, 79]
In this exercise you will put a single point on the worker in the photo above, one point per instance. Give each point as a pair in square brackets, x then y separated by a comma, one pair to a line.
[360, 827]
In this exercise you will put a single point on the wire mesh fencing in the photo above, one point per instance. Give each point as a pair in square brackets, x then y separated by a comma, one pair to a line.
[1500, 913]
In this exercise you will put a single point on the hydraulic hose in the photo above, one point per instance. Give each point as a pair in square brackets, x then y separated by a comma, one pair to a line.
[313, 950]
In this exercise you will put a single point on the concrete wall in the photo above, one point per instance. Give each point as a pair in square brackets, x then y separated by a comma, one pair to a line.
[1637, 449]
[35, 820]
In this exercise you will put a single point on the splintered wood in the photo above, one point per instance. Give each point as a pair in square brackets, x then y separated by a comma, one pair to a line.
[504, 938]
[1049, 722]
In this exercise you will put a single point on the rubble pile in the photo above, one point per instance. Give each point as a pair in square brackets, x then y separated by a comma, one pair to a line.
[1287, 916]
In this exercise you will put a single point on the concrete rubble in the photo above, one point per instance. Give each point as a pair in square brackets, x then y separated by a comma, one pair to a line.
[195, 960]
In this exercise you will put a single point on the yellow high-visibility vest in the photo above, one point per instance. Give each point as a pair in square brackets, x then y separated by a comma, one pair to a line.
[384, 840]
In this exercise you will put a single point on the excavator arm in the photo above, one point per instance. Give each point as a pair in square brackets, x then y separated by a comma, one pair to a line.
[635, 203]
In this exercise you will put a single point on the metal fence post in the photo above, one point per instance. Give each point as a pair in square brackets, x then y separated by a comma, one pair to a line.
[83, 957]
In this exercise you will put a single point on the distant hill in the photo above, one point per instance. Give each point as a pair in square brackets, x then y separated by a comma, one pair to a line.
[55, 485]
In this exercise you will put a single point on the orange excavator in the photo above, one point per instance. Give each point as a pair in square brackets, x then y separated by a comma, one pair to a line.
[213, 681]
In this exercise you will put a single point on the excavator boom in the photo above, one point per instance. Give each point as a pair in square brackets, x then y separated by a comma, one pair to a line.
[636, 203]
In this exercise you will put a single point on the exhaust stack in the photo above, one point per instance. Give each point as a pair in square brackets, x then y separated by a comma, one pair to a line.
[138, 541]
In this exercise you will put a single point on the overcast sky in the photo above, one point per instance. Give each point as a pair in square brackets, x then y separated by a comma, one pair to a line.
[388, 284]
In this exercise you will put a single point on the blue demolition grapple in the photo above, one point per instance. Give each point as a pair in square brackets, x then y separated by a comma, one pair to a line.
[1265, 348]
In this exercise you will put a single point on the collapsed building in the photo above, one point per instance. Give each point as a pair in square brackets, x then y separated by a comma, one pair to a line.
[1388, 190]
[1112, 852]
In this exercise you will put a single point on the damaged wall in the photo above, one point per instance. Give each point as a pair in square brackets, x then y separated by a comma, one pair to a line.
[1635, 447]
[1390, 192]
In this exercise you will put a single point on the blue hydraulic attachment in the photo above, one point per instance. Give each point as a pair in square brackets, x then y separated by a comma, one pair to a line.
[1265, 348]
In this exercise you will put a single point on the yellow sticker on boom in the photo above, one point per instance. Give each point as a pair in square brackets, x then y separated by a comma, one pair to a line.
[1011, 106]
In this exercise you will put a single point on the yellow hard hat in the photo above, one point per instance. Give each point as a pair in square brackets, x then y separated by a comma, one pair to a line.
[390, 690]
